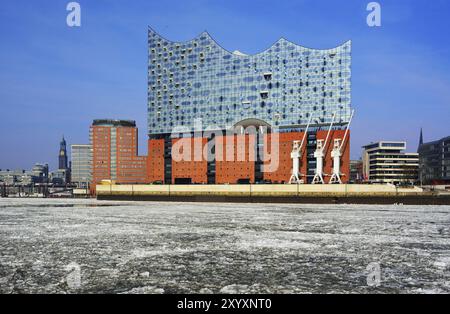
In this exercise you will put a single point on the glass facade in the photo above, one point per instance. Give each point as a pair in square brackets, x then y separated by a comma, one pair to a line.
[81, 165]
[435, 161]
[282, 85]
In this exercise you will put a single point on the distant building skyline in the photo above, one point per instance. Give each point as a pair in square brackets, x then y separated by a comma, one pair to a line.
[400, 71]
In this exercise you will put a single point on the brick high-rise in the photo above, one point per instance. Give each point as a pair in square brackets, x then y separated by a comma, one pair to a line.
[115, 152]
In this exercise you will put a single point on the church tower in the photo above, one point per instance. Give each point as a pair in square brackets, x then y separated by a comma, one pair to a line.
[63, 155]
[420, 140]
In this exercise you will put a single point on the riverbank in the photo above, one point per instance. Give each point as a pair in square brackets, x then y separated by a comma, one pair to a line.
[306, 194]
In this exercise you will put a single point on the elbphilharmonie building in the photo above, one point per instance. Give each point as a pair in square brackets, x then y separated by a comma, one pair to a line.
[285, 87]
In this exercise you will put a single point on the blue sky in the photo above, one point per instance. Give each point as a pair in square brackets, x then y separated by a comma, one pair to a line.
[55, 79]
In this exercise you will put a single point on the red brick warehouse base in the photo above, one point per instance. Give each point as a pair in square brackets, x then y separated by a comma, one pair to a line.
[236, 166]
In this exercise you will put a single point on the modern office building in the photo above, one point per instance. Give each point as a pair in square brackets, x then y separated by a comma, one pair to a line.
[435, 161]
[385, 162]
[81, 155]
[115, 152]
[198, 86]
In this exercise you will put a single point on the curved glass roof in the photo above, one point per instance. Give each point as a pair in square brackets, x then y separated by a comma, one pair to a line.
[282, 85]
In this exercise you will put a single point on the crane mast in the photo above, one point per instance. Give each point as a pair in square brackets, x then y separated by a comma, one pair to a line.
[296, 156]
[336, 154]
[319, 154]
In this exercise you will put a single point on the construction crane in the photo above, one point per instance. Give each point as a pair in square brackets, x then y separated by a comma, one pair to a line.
[336, 154]
[296, 156]
[319, 154]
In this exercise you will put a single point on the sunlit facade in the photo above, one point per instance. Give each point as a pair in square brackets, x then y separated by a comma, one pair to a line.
[284, 87]
[115, 152]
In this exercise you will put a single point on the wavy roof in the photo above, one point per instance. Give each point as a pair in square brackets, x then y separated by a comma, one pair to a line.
[345, 45]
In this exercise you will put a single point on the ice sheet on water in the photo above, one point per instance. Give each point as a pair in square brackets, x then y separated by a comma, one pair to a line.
[133, 247]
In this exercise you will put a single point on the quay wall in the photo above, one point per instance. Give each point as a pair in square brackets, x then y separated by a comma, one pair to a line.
[274, 193]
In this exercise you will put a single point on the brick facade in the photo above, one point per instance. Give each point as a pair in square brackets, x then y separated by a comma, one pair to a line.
[115, 155]
[236, 156]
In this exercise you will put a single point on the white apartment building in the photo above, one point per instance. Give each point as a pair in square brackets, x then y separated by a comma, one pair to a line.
[385, 162]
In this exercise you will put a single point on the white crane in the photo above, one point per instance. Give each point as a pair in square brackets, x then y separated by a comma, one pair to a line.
[296, 156]
[319, 154]
[336, 154]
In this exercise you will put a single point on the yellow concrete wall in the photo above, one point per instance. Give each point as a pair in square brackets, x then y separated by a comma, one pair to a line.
[231, 190]
[274, 190]
[256, 190]
[103, 189]
[322, 188]
[151, 189]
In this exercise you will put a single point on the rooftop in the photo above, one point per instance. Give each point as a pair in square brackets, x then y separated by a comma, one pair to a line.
[113, 122]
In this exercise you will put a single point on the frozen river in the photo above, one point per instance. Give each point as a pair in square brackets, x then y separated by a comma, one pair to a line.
[88, 246]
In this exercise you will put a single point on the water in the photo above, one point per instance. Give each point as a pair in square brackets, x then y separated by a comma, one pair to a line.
[88, 246]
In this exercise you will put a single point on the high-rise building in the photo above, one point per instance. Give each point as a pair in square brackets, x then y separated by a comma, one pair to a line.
[115, 152]
[385, 162]
[435, 161]
[198, 85]
[81, 155]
